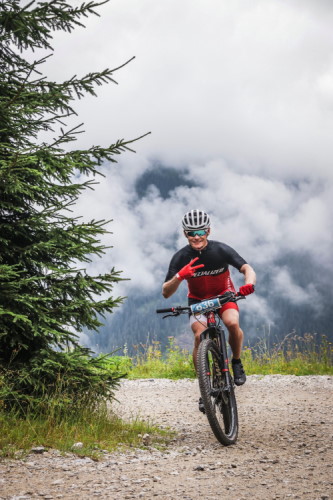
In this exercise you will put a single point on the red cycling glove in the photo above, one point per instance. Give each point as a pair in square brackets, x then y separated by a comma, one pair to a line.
[188, 270]
[246, 289]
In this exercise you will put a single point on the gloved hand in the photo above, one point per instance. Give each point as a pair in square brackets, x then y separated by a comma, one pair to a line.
[188, 270]
[246, 289]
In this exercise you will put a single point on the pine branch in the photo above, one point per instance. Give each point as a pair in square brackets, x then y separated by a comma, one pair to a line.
[32, 28]
[47, 296]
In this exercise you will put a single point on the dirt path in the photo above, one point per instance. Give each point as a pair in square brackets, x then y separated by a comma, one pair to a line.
[284, 449]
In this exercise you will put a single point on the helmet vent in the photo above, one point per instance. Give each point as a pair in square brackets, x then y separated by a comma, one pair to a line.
[195, 219]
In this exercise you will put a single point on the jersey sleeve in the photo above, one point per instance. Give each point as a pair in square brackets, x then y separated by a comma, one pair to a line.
[173, 268]
[233, 258]
[179, 260]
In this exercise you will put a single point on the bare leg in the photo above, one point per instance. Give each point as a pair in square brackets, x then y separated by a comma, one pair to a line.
[197, 329]
[230, 318]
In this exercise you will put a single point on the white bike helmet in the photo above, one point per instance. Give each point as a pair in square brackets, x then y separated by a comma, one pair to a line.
[195, 219]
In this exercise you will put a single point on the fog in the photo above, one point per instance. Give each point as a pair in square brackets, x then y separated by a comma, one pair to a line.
[239, 96]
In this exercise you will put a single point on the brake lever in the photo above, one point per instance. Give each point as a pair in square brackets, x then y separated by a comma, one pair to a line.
[175, 313]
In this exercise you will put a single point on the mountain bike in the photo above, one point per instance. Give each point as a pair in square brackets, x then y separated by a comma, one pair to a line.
[215, 380]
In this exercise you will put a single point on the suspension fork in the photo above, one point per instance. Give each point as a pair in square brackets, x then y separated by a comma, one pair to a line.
[211, 322]
[224, 351]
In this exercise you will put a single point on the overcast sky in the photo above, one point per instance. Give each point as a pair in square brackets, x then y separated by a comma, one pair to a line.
[238, 92]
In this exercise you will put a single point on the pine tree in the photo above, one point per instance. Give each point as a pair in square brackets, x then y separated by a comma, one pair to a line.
[46, 298]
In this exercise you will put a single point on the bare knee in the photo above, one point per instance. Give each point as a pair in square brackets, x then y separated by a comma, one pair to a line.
[197, 329]
[230, 318]
[232, 325]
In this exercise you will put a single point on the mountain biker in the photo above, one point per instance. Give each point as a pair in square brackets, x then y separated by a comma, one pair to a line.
[204, 264]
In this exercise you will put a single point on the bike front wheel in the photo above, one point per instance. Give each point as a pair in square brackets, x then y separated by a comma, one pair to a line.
[217, 392]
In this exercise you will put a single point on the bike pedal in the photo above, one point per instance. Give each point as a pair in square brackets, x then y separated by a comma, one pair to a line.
[201, 406]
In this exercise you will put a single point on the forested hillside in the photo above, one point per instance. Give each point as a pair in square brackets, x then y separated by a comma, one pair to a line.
[272, 314]
[137, 323]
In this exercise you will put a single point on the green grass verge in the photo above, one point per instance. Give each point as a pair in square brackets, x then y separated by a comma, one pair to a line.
[295, 355]
[309, 354]
[98, 432]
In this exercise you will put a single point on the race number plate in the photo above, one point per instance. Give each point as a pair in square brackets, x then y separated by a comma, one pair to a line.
[205, 305]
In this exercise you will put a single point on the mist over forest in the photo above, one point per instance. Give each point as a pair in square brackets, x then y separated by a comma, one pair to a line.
[293, 292]
[238, 99]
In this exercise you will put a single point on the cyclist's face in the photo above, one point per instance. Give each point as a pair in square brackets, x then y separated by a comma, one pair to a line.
[198, 242]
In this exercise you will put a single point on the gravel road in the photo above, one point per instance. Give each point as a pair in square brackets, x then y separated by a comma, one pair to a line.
[284, 449]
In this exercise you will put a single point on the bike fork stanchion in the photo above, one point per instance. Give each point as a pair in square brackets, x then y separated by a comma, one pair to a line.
[224, 352]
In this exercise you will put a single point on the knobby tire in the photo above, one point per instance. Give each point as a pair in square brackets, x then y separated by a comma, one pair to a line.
[217, 393]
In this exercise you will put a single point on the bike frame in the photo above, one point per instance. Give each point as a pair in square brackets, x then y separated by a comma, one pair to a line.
[216, 333]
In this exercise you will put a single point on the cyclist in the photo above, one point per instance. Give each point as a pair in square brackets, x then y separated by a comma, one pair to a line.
[204, 264]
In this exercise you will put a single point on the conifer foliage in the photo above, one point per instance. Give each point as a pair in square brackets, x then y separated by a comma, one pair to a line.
[46, 297]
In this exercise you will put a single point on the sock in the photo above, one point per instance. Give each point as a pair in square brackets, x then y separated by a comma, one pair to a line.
[235, 361]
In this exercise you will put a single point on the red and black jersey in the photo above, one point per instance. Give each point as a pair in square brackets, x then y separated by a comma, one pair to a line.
[213, 279]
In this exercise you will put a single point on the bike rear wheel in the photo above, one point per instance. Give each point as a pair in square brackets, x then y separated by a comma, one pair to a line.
[217, 393]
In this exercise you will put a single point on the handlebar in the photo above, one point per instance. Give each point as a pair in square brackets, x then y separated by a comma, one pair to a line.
[175, 310]
[204, 306]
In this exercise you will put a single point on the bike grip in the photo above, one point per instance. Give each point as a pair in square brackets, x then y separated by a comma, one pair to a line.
[169, 310]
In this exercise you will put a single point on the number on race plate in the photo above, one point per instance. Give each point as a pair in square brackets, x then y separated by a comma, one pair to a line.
[204, 306]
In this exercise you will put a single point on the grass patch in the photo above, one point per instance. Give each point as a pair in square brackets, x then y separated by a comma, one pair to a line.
[149, 362]
[98, 431]
[175, 363]
[310, 354]
[60, 419]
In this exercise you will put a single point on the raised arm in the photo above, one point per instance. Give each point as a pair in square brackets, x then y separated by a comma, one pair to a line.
[249, 274]
[249, 279]
[169, 287]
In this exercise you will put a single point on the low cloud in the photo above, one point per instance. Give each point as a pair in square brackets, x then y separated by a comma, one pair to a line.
[284, 285]
[238, 96]
[263, 219]
[247, 82]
